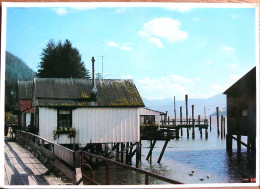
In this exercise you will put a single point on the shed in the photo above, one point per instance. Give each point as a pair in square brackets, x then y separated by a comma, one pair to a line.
[25, 89]
[109, 116]
[149, 116]
[241, 106]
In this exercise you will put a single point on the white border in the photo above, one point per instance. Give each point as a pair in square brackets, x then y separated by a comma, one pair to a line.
[5, 5]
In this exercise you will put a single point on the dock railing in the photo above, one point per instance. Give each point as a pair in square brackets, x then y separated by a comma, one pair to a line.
[71, 163]
[64, 159]
[112, 162]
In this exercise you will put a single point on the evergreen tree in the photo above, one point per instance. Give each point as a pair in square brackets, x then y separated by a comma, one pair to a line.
[61, 61]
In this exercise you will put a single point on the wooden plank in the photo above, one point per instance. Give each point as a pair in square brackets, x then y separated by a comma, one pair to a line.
[64, 169]
[65, 154]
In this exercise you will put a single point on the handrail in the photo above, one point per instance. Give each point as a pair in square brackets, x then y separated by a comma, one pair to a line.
[133, 169]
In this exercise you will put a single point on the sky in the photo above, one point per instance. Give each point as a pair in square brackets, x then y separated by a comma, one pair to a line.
[168, 51]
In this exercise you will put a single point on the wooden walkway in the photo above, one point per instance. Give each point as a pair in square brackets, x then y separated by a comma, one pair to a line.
[22, 168]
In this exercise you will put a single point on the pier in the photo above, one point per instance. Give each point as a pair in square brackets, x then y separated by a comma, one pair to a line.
[22, 168]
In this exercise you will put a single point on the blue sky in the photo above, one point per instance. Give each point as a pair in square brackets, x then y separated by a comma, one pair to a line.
[166, 51]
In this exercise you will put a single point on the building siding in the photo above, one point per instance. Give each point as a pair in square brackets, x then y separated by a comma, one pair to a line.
[106, 125]
[93, 125]
[144, 111]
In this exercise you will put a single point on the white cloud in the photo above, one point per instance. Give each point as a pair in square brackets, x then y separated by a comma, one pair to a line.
[163, 28]
[112, 44]
[156, 41]
[60, 11]
[126, 77]
[196, 19]
[234, 77]
[120, 10]
[228, 48]
[233, 66]
[166, 87]
[215, 89]
[124, 46]
[208, 61]
[234, 16]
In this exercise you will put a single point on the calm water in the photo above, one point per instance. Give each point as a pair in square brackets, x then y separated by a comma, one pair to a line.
[205, 157]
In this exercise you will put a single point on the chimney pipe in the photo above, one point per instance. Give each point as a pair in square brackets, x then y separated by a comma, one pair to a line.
[94, 88]
[93, 71]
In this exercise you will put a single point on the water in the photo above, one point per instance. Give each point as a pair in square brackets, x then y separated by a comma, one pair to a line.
[204, 157]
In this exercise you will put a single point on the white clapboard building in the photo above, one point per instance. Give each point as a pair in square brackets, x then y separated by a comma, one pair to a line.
[149, 116]
[100, 111]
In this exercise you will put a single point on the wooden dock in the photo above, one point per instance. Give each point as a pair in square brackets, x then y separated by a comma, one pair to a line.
[22, 168]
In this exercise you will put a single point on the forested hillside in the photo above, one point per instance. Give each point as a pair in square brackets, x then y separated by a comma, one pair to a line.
[16, 69]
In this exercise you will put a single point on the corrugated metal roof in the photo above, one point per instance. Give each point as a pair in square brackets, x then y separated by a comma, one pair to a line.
[25, 89]
[247, 83]
[77, 92]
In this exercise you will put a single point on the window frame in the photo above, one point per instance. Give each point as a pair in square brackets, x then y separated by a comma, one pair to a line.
[59, 118]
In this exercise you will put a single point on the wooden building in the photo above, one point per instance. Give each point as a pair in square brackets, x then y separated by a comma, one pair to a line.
[100, 111]
[149, 116]
[241, 111]
[26, 112]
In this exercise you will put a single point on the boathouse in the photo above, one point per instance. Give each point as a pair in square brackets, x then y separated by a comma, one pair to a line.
[149, 116]
[25, 116]
[241, 111]
[100, 111]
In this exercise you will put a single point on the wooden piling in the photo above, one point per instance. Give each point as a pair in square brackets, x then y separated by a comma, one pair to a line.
[162, 152]
[165, 118]
[127, 154]
[174, 111]
[210, 123]
[186, 104]
[221, 126]
[217, 110]
[181, 119]
[238, 143]
[193, 122]
[199, 126]
[229, 141]
[224, 127]
[138, 154]
[152, 144]
[122, 154]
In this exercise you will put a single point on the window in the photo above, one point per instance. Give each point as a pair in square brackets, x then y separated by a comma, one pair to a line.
[147, 119]
[64, 118]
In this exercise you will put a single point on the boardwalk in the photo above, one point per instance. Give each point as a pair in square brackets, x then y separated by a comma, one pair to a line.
[22, 168]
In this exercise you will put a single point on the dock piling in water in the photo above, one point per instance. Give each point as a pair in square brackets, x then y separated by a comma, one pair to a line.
[217, 110]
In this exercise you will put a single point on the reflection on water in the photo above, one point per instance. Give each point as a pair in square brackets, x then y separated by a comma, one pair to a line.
[204, 157]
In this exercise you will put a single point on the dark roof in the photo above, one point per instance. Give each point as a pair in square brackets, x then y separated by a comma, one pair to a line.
[77, 92]
[25, 89]
[247, 83]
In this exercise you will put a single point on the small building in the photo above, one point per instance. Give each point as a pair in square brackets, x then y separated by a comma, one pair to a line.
[241, 110]
[100, 111]
[149, 116]
[25, 89]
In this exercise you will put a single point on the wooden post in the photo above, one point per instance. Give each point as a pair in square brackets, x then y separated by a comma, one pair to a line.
[127, 155]
[229, 143]
[199, 126]
[238, 143]
[152, 144]
[248, 144]
[117, 152]
[217, 109]
[162, 152]
[122, 154]
[181, 120]
[210, 123]
[165, 118]
[221, 126]
[174, 111]
[186, 104]
[138, 154]
[168, 120]
[224, 124]
[193, 122]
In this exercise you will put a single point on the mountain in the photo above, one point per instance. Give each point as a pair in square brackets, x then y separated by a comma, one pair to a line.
[167, 104]
[222, 111]
[16, 69]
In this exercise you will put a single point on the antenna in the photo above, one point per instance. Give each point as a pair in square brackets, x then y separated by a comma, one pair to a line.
[102, 49]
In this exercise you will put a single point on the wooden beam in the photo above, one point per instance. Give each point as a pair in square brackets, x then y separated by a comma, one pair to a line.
[162, 152]
[151, 150]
